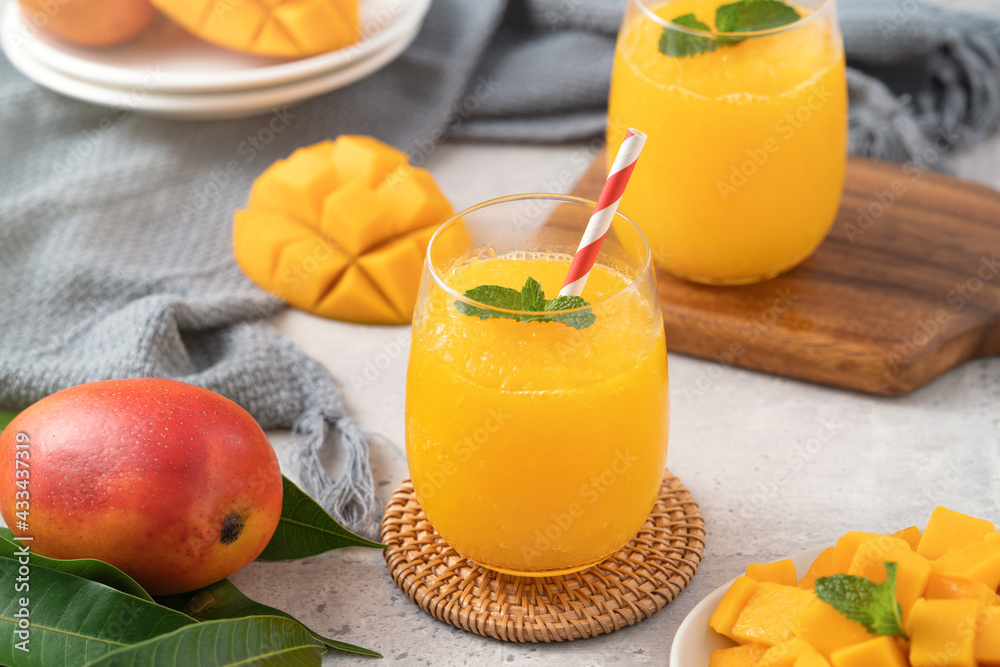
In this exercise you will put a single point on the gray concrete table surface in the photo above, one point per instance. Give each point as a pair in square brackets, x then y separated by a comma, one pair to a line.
[842, 460]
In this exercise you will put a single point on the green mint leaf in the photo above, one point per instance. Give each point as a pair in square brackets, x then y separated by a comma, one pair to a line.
[491, 295]
[872, 605]
[677, 44]
[754, 15]
[578, 320]
[532, 296]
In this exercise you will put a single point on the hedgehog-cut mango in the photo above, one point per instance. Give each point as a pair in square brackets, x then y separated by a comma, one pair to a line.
[279, 28]
[340, 229]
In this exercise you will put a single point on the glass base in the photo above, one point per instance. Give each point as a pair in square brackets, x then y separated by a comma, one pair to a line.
[541, 573]
[723, 282]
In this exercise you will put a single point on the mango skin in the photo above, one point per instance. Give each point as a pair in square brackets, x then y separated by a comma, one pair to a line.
[173, 484]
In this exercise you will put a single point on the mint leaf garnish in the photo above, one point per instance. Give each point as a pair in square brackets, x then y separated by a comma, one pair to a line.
[530, 298]
[872, 605]
[754, 15]
[677, 44]
[741, 16]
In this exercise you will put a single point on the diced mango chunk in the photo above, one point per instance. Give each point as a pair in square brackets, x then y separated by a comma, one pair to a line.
[784, 654]
[947, 531]
[879, 652]
[988, 636]
[821, 567]
[810, 658]
[909, 535]
[728, 610]
[943, 633]
[780, 572]
[847, 546]
[976, 562]
[954, 587]
[912, 571]
[736, 656]
[321, 224]
[281, 28]
[770, 612]
[826, 629]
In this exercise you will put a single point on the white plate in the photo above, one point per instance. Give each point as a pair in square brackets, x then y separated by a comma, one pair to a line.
[695, 641]
[186, 63]
[149, 99]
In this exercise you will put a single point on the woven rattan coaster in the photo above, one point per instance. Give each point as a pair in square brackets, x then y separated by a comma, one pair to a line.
[638, 580]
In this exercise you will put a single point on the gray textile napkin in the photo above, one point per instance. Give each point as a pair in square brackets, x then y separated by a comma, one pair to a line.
[115, 249]
[116, 254]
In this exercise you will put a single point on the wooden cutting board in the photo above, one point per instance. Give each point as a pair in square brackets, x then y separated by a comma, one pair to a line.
[887, 303]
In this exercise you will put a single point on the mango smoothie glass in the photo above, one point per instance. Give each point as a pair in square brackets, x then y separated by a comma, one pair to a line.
[743, 170]
[536, 441]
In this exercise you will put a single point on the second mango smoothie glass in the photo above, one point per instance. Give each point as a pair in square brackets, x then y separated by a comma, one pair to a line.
[744, 166]
[536, 440]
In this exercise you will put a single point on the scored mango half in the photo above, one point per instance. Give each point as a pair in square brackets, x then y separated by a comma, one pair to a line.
[280, 28]
[340, 229]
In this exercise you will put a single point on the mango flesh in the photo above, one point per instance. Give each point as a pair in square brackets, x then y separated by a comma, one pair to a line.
[173, 484]
[340, 229]
[946, 584]
[779, 572]
[280, 28]
[92, 23]
[737, 656]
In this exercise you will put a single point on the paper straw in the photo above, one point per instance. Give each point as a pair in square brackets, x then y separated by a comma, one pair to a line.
[604, 213]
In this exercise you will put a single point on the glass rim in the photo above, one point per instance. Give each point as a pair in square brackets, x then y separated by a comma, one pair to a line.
[805, 20]
[570, 199]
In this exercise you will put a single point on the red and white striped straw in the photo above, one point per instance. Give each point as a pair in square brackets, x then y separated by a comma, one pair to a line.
[604, 213]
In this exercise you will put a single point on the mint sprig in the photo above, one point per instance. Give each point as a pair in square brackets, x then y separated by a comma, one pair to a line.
[741, 16]
[863, 601]
[677, 44]
[530, 298]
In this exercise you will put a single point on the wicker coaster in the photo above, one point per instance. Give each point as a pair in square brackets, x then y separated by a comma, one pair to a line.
[638, 580]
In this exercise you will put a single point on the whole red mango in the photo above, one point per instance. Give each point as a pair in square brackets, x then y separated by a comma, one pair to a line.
[173, 484]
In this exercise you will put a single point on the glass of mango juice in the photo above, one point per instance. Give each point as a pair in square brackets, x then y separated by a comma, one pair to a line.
[536, 428]
[743, 170]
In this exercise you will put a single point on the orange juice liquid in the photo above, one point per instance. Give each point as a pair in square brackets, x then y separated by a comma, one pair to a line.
[741, 176]
[536, 448]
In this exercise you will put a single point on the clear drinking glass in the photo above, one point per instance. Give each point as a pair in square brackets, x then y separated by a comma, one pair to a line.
[742, 173]
[536, 440]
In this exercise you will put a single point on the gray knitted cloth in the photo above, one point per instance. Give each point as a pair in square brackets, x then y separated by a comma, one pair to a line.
[115, 250]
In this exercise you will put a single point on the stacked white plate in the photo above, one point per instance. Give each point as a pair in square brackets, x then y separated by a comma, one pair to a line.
[167, 72]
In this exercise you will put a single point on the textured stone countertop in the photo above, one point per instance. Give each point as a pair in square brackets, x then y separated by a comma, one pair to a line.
[882, 463]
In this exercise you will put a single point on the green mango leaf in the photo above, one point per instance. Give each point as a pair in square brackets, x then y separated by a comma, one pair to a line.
[72, 621]
[305, 529]
[256, 640]
[6, 418]
[87, 568]
[223, 600]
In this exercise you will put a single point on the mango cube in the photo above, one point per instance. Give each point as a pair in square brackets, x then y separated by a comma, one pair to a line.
[953, 587]
[948, 531]
[847, 546]
[988, 636]
[879, 652]
[737, 656]
[821, 567]
[826, 629]
[770, 612]
[725, 615]
[943, 633]
[810, 658]
[912, 571]
[779, 572]
[909, 535]
[976, 562]
[784, 654]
